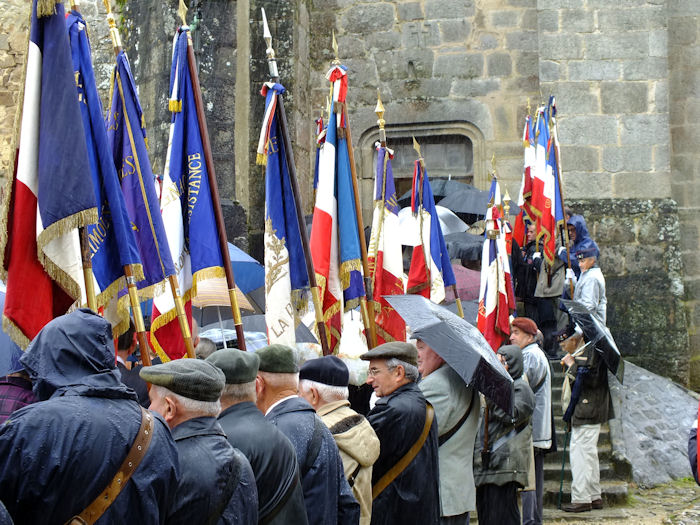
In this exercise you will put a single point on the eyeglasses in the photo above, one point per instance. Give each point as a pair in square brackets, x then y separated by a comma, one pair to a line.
[372, 372]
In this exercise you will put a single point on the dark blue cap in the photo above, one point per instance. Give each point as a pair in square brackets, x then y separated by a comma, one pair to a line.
[329, 370]
[587, 248]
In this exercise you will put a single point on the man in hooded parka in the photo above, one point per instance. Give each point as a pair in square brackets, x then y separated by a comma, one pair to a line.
[58, 455]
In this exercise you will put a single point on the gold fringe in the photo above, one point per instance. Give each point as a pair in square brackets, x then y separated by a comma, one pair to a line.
[9, 180]
[15, 333]
[352, 304]
[46, 7]
[122, 325]
[346, 268]
[330, 312]
[174, 106]
[261, 159]
[213, 272]
[321, 285]
[161, 321]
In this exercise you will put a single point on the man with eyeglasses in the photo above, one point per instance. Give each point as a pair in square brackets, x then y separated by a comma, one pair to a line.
[405, 477]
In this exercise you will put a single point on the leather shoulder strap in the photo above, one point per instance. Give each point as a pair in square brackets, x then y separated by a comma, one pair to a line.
[401, 465]
[138, 450]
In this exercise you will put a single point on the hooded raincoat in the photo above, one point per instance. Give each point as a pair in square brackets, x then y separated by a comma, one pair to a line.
[359, 449]
[56, 456]
[578, 222]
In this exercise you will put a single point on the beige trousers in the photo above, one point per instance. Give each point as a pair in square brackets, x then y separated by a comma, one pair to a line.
[585, 469]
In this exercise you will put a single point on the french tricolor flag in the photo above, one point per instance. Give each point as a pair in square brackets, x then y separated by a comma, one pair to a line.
[51, 192]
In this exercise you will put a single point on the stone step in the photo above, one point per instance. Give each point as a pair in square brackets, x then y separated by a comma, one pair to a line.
[552, 471]
[613, 492]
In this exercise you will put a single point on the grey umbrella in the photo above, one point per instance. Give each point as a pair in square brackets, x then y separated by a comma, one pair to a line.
[459, 343]
[595, 332]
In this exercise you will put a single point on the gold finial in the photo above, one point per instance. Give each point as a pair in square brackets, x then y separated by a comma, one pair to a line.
[379, 110]
[113, 31]
[267, 36]
[529, 107]
[182, 12]
[493, 164]
[416, 147]
[506, 203]
[336, 61]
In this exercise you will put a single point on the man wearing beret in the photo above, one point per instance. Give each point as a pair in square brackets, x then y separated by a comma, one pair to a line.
[327, 495]
[271, 455]
[523, 333]
[457, 411]
[217, 484]
[74, 441]
[323, 382]
[405, 477]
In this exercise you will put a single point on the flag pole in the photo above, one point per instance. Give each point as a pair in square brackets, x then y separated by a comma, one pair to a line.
[135, 304]
[416, 147]
[282, 119]
[565, 232]
[366, 306]
[209, 160]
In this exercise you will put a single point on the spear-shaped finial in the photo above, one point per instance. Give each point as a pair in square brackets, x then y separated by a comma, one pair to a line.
[182, 12]
[416, 147]
[493, 164]
[506, 203]
[271, 61]
[529, 107]
[113, 31]
[379, 110]
[334, 44]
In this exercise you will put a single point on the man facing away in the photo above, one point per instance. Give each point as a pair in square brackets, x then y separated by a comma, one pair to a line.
[126, 344]
[327, 495]
[405, 479]
[217, 484]
[271, 455]
[457, 412]
[323, 382]
[75, 440]
[523, 333]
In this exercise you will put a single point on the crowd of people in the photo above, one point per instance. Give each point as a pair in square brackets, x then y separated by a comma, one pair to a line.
[256, 437]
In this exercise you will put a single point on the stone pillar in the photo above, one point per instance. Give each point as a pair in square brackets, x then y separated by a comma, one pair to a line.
[684, 79]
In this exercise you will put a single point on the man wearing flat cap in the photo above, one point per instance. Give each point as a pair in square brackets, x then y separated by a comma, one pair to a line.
[216, 484]
[271, 455]
[327, 495]
[523, 333]
[323, 382]
[74, 441]
[405, 477]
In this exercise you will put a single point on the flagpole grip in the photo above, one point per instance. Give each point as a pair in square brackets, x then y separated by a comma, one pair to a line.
[181, 316]
[214, 189]
[138, 315]
[87, 269]
[460, 311]
[322, 333]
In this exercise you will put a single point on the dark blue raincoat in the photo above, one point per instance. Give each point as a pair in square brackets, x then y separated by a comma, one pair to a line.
[57, 455]
[211, 471]
[327, 495]
[578, 222]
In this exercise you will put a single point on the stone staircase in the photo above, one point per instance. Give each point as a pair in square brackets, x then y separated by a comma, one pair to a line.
[613, 476]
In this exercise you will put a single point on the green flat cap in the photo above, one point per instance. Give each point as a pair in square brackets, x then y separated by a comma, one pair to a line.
[238, 366]
[277, 359]
[405, 352]
[190, 378]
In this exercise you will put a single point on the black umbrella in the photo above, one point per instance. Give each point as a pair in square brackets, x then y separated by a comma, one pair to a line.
[596, 332]
[459, 343]
[441, 188]
[463, 245]
[470, 309]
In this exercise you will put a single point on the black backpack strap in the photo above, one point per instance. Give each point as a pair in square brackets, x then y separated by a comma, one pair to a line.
[447, 435]
[314, 446]
[227, 493]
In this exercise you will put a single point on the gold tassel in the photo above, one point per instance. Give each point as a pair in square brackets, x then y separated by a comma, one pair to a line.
[46, 7]
[261, 159]
[174, 106]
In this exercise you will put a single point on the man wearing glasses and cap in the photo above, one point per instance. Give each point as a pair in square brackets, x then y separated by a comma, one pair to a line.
[405, 477]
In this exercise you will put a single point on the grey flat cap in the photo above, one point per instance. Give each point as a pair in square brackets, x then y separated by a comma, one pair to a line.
[191, 378]
[238, 366]
[405, 352]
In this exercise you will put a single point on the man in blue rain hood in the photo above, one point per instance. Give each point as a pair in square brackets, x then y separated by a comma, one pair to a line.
[58, 455]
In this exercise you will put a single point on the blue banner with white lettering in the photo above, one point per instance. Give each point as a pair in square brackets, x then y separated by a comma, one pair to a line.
[127, 140]
[111, 239]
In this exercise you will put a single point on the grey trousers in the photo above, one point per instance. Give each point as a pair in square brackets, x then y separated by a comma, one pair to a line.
[532, 499]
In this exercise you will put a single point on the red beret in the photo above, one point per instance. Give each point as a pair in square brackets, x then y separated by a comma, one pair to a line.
[525, 324]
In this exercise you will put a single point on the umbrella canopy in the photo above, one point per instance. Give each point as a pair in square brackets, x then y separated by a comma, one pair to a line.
[249, 273]
[468, 284]
[595, 332]
[464, 245]
[460, 344]
[469, 308]
[256, 324]
[441, 188]
[410, 229]
[466, 200]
